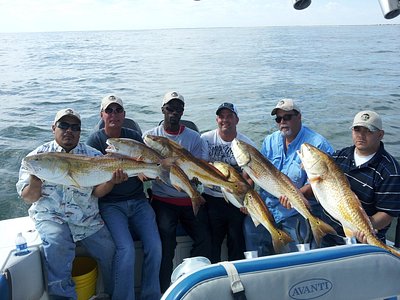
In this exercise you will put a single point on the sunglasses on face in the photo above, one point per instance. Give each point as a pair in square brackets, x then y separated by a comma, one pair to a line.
[66, 125]
[285, 118]
[179, 110]
[110, 110]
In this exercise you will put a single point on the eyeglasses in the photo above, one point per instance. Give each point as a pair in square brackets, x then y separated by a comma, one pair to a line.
[66, 125]
[179, 110]
[285, 118]
[110, 110]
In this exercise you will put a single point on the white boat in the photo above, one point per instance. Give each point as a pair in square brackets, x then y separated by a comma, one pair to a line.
[344, 272]
[22, 277]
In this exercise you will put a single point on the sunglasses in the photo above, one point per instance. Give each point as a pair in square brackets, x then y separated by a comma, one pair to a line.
[179, 110]
[110, 110]
[65, 126]
[285, 118]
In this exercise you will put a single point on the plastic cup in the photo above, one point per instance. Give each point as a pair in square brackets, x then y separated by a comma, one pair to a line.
[250, 254]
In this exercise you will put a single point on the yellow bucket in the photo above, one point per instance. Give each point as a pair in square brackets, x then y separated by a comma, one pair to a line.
[84, 274]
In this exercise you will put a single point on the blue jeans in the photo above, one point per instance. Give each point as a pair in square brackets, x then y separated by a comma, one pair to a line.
[126, 219]
[259, 239]
[59, 253]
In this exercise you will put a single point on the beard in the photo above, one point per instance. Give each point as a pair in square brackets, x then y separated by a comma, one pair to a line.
[285, 132]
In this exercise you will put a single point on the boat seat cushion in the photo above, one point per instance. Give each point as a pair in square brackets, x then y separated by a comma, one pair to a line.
[26, 276]
[342, 272]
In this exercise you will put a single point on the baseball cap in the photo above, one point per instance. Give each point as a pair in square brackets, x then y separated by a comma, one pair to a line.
[171, 96]
[66, 112]
[368, 119]
[229, 106]
[110, 99]
[287, 105]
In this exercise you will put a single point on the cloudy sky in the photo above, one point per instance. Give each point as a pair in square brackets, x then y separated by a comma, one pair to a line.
[79, 15]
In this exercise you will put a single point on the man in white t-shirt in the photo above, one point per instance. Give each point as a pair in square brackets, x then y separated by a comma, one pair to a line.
[170, 205]
[224, 218]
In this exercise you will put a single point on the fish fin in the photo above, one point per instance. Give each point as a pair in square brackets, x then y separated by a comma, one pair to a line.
[139, 158]
[76, 184]
[225, 197]
[348, 232]
[216, 170]
[319, 229]
[315, 179]
[279, 240]
[255, 221]
[177, 187]
[118, 155]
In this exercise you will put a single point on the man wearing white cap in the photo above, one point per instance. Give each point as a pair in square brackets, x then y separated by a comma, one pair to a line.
[225, 219]
[127, 212]
[64, 215]
[280, 149]
[170, 205]
[373, 174]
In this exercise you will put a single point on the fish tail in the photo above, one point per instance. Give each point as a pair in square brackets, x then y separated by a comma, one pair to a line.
[197, 201]
[392, 250]
[279, 240]
[168, 162]
[375, 242]
[319, 229]
[164, 174]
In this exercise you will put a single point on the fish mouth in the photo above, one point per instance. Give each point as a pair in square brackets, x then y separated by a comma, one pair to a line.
[112, 149]
[311, 155]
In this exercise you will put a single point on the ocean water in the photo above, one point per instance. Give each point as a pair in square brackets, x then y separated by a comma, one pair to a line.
[332, 71]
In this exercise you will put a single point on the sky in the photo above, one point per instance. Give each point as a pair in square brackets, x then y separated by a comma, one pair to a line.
[84, 15]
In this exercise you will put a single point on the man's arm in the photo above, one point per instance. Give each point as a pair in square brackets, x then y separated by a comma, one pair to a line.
[103, 189]
[33, 191]
[380, 220]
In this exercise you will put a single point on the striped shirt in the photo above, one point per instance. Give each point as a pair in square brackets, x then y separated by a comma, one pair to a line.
[376, 182]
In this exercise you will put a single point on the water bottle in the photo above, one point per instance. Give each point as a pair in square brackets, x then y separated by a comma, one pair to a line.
[21, 247]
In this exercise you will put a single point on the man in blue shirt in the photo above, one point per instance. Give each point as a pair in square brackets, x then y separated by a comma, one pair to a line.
[280, 149]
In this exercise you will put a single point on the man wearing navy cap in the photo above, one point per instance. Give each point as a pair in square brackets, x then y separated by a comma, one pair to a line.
[225, 219]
